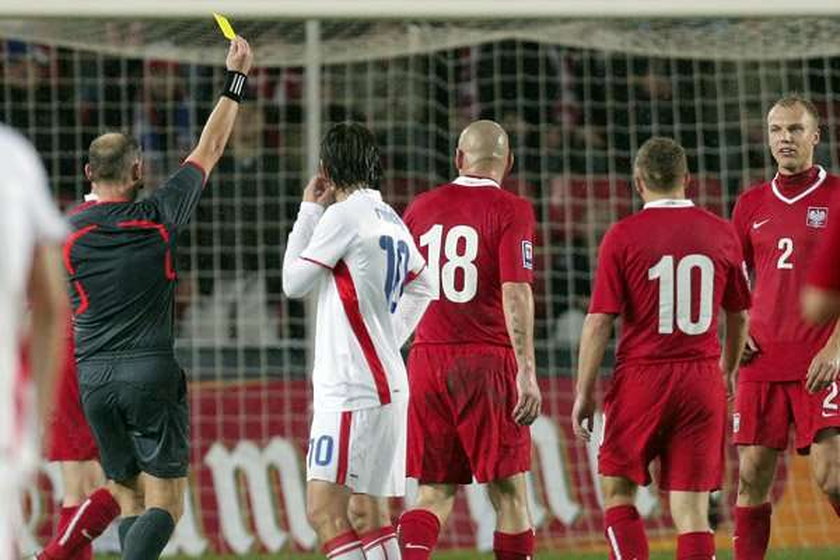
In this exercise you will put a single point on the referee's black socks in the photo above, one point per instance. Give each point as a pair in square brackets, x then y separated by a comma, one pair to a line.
[147, 538]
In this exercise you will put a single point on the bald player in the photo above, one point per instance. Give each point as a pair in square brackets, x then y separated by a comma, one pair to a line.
[472, 374]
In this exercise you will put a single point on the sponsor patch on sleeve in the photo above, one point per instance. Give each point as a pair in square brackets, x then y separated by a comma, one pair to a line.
[527, 255]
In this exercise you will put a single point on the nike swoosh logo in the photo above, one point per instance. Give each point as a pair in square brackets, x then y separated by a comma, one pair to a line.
[418, 546]
[829, 415]
[757, 225]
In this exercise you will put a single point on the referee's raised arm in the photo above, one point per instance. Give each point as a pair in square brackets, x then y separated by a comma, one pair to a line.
[219, 125]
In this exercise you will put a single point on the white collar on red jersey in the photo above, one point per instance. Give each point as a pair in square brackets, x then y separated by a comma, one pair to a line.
[467, 181]
[669, 203]
[820, 179]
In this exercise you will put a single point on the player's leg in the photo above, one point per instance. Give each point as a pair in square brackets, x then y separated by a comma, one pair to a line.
[370, 517]
[498, 448]
[692, 454]
[623, 525]
[99, 508]
[79, 479]
[761, 425]
[435, 455]
[163, 500]
[514, 536]
[825, 462]
[818, 426]
[420, 526]
[690, 512]
[326, 510]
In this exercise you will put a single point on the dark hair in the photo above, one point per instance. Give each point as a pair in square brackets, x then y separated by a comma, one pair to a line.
[662, 163]
[793, 99]
[350, 156]
[111, 156]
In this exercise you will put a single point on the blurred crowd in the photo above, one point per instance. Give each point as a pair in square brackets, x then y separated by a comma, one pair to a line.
[575, 118]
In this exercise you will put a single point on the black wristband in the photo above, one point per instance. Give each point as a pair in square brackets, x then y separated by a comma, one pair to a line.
[235, 85]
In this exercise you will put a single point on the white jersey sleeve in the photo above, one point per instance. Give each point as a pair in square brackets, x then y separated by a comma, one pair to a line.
[331, 238]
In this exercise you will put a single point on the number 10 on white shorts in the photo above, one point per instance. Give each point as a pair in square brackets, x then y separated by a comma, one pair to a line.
[361, 449]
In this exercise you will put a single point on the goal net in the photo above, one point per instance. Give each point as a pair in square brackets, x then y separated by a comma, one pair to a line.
[577, 96]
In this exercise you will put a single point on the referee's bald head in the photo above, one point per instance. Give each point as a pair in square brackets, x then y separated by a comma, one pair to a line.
[114, 159]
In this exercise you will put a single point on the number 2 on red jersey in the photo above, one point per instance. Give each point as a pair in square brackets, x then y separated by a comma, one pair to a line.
[460, 249]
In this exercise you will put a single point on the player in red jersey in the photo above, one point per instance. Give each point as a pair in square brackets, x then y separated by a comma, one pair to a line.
[71, 444]
[666, 271]
[471, 369]
[790, 367]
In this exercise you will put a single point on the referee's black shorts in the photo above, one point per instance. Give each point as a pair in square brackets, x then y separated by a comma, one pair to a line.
[137, 410]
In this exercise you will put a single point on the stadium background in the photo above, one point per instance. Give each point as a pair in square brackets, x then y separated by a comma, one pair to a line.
[576, 96]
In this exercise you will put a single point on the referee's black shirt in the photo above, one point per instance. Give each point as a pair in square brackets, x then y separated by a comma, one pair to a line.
[121, 263]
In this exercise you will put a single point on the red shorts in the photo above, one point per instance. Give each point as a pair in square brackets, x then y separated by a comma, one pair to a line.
[676, 412]
[764, 411]
[460, 422]
[70, 438]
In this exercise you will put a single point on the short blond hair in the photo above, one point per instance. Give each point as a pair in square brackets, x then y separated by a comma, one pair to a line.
[662, 164]
[793, 99]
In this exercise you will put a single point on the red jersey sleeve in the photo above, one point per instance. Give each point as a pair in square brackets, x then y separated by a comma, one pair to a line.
[609, 293]
[825, 270]
[740, 220]
[516, 244]
[736, 293]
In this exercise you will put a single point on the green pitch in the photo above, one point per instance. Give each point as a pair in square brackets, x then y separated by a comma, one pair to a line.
[815, 554]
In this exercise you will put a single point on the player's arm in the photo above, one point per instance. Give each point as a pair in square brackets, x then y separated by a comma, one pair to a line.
[314, 245]
[733, 346]
[518, 305]
[413, 304]
[516, 267]
[608, 297]
[741, 223]
[214, 137]
[824, 367]
[49, 312]
[820, 305]
[596, 333]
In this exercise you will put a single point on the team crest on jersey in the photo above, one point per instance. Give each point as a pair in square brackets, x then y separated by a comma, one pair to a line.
[528, 255]
[817, 216]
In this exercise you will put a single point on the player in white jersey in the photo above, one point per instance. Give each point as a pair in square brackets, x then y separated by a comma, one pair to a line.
[31, 233]
[361, 261]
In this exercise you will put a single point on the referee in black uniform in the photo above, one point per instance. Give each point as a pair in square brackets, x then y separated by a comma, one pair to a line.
[122, 283]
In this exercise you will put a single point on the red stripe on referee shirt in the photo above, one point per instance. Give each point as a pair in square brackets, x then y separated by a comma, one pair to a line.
[164, 233]
[66, 252]
[343, 447]
[191, 163]
[350, 301]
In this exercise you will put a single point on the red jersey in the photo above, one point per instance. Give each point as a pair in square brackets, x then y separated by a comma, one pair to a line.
[475, 237]
[667, 270]
[825, 269]
[779, 224]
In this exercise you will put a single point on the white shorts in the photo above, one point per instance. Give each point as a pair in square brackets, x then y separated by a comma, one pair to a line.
[361, 449]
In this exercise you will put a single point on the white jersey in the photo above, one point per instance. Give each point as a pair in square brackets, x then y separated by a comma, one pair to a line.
[372, 256]
[27, 217]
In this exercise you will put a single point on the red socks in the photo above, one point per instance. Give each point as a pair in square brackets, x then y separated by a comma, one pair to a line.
[418, 534]
[625, 533]
[696, 546]
[346, 546]
[64, 517]
[87, 522]
[514, 547]
[752, 531]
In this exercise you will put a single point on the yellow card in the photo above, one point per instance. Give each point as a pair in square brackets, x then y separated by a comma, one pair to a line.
[225, 26]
